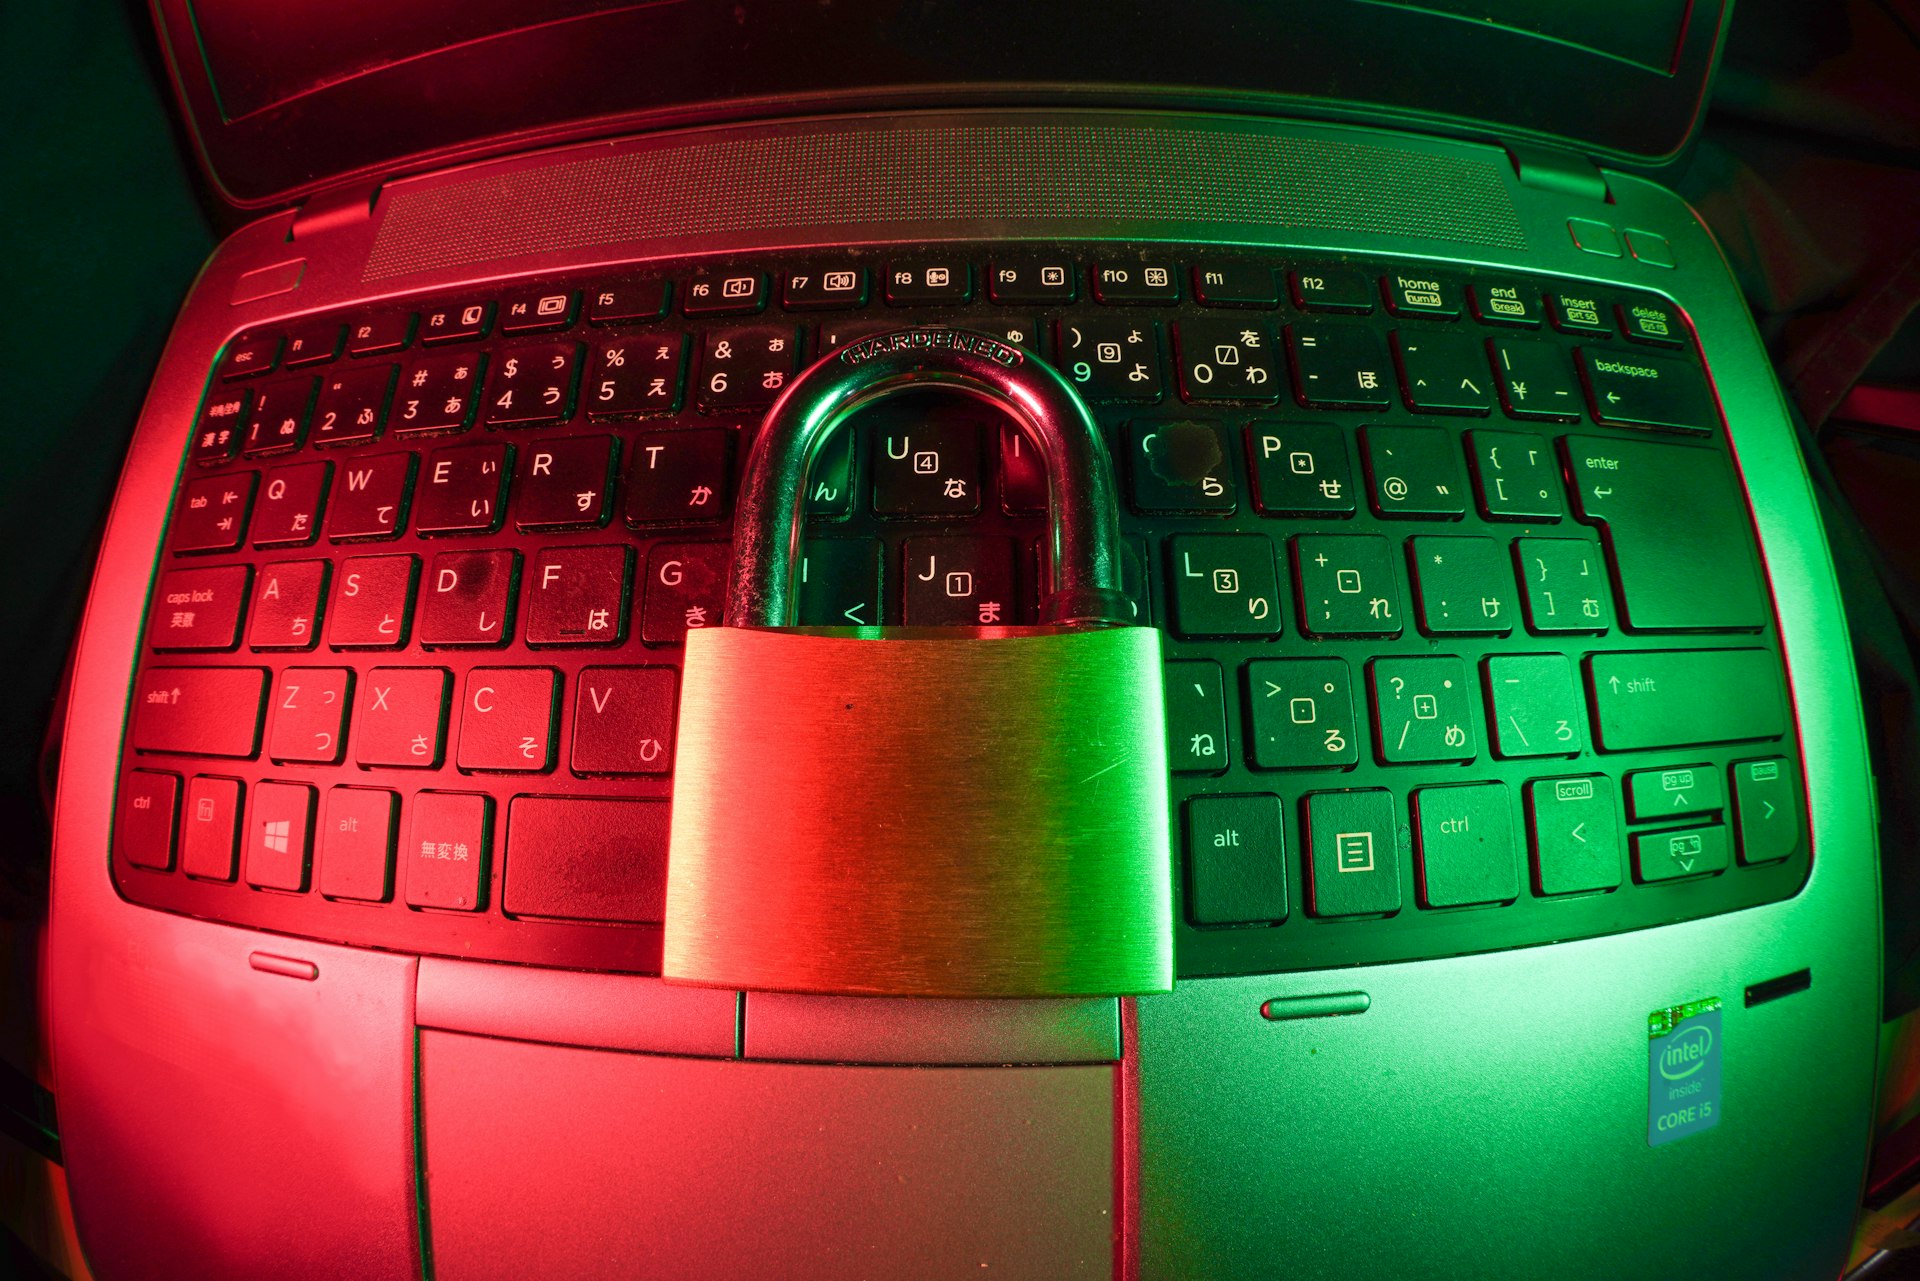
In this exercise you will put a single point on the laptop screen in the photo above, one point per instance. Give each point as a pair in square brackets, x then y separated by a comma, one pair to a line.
[287, 97]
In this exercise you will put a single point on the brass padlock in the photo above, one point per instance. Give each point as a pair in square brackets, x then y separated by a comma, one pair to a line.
[924, 811]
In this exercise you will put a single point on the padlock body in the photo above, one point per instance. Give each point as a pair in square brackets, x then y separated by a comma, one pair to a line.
[926, 812]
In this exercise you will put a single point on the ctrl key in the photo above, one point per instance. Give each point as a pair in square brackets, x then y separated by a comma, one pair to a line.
[148, 802]
[446, 850]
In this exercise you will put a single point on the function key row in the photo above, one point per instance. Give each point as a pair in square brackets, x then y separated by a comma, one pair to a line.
[1034, 281]
[1464, 848]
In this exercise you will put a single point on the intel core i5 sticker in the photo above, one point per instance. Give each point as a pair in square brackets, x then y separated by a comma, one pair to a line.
[1683, 1070]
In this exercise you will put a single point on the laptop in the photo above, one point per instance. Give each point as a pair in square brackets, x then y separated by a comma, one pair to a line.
[1491, 888]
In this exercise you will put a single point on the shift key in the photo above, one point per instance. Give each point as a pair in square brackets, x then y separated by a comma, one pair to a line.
[199, 711]
[1685, 697]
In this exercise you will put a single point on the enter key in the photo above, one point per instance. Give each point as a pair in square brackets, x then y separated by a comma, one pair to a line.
[1676, 526]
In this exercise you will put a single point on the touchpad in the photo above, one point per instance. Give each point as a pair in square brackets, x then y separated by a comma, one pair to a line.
[576, 1162]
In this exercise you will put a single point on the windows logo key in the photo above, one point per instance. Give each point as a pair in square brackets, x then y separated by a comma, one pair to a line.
[275, 834]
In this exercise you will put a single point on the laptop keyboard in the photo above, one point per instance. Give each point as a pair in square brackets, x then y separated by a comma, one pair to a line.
[1467, 642]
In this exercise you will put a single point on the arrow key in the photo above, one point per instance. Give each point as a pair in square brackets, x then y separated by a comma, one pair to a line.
[1664, 793]
[1690, 851]
[1574, 830]
[1767, 817]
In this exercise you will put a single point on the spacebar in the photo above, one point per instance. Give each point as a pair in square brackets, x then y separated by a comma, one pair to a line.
[586, 859]
[199, 711]
[1681, 697]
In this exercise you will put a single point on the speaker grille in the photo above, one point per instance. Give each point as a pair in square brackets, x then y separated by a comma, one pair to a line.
[820, 177]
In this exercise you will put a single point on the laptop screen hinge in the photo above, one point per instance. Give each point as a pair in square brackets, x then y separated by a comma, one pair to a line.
[334, 208]
[1552, 169]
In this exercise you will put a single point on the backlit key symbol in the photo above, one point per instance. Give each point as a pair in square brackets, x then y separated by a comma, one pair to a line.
[1353, 851]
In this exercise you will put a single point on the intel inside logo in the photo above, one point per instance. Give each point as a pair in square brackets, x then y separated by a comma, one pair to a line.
[1688, 1053]
[1683, 1071]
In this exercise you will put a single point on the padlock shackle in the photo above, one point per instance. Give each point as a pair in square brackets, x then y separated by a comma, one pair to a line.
[1085, 588]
